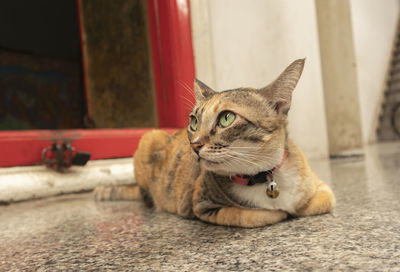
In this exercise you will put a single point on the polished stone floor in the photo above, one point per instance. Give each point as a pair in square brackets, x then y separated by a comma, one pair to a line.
[74, 233]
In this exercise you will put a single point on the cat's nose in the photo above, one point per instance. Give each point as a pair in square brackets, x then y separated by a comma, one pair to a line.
[196, 146]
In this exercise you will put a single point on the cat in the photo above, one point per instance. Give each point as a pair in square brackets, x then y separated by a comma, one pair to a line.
[234, 165]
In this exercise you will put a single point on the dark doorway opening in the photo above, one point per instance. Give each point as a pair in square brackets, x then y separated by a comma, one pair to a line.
[41, 78]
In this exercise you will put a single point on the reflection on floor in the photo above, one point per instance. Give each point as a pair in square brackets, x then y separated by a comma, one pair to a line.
[75, 233]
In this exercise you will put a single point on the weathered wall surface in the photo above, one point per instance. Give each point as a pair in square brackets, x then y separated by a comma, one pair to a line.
[119, 73]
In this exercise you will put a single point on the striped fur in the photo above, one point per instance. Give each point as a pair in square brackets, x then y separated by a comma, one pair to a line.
[175, 179]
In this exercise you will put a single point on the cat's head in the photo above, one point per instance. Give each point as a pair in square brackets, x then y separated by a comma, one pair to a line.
[242, 131]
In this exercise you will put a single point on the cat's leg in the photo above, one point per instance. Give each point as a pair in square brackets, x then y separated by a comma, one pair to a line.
[149, 157]
[184, 204]
[239, 217]
[323, 201]
[122, 192]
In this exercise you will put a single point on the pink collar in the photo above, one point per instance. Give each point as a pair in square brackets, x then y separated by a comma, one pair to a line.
[246, 180]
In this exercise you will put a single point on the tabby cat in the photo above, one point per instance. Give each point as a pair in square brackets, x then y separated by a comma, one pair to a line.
[234, 165]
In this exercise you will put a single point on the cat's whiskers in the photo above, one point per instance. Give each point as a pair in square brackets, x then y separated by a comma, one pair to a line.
[190, 92]
[252, 161]
[187, 106]
[243, 160]
[246, 152]
[242, 154]
[187, 88]
[241, 165]
[261, 161]
[244, 147]
[190, 102]
[233, 152]
[261, 157]
[230, 164]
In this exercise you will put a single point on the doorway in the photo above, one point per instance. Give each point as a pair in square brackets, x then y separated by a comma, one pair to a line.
[40, 66]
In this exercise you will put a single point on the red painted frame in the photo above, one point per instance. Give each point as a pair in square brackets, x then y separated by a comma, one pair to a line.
[173, 66]
[25, 148]
[173, 61]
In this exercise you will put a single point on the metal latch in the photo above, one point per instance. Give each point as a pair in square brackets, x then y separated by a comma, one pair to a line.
[61, 155]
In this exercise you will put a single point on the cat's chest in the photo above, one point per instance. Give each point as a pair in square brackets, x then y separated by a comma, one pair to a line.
[256, 196]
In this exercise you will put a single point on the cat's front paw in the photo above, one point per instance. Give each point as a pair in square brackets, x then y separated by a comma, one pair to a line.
[102, 193]
[239, 217]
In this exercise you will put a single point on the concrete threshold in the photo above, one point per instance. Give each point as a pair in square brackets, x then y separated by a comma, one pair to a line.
[32, 182]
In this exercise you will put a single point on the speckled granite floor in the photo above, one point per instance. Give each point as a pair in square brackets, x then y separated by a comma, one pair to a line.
[75, 233]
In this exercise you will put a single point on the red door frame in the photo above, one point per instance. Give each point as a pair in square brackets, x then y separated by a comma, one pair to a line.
[25, 147]
[173, 67]
[173, 60]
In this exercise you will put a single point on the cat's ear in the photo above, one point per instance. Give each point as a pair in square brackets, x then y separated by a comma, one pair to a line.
[279, 92]
[202, 91]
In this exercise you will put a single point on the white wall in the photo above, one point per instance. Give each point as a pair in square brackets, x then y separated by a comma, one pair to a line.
[374, 26]
[202, 41]
[253, 42]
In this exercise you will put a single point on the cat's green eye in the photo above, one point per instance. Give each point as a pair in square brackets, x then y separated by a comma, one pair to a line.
[226, 119]
[193, 123]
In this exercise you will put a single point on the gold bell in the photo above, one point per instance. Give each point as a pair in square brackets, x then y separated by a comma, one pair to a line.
[272, 190]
